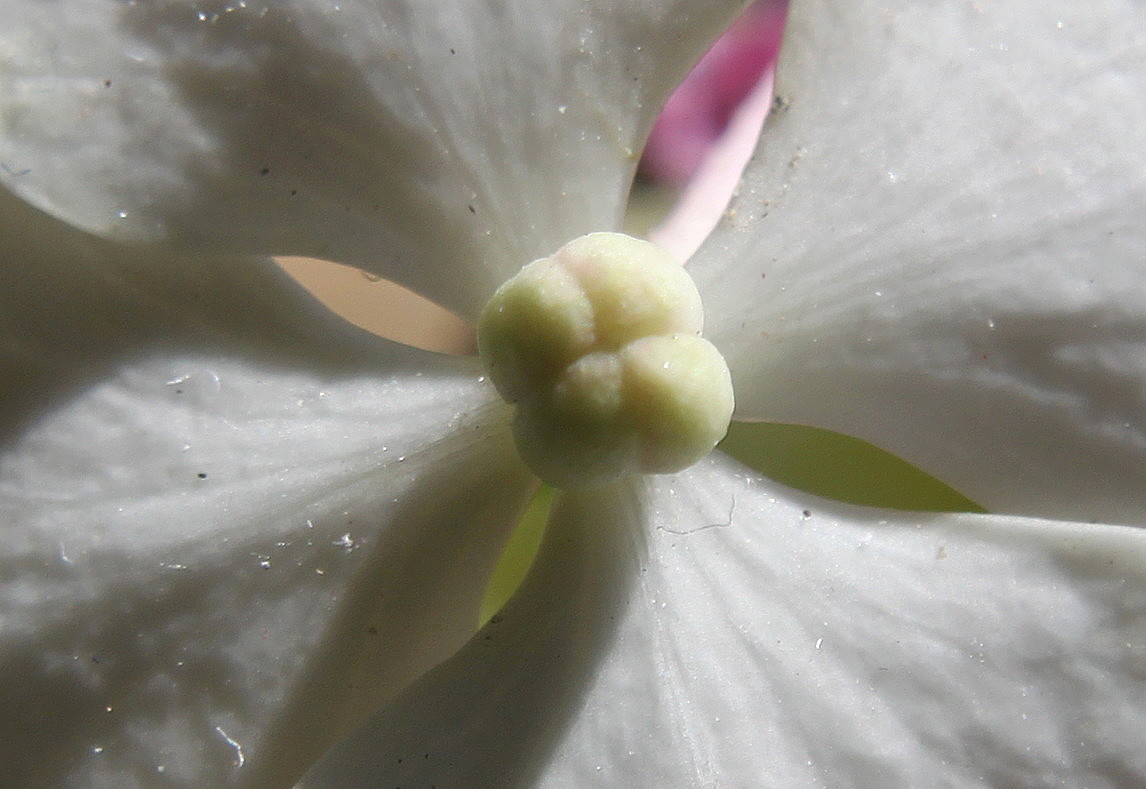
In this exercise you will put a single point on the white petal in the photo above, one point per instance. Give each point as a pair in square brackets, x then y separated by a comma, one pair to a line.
[490, 715]
[939, 247]
[775, 639]
[231, 528]
[409, 138]
[779, 640]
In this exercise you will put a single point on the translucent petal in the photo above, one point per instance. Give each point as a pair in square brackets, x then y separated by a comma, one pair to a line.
[232, 526]
[770, 638]
[939, 247]
[409, 138]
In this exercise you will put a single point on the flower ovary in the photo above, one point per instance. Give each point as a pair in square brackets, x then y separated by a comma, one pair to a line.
[599, 348]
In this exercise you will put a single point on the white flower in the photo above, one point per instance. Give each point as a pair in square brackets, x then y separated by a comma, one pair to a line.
[237, 532]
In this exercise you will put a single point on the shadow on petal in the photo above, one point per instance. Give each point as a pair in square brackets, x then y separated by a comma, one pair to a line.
[492, 715]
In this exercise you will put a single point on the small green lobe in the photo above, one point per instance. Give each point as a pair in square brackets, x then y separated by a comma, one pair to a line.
[839, 467]
[518, 554]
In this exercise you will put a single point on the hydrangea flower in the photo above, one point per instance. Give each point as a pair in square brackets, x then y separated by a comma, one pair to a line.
[240, 535]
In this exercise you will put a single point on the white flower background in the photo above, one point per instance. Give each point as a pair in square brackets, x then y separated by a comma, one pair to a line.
[245, 544]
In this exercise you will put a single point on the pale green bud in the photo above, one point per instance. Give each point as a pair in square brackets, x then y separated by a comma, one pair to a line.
[599, 347]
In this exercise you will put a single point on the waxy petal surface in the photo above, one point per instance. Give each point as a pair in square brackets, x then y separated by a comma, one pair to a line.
[442, 145]
[233, 524]
[938, 247]
[754, 635]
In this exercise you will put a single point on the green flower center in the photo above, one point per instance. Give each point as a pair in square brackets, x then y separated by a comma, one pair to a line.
[598, 346]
